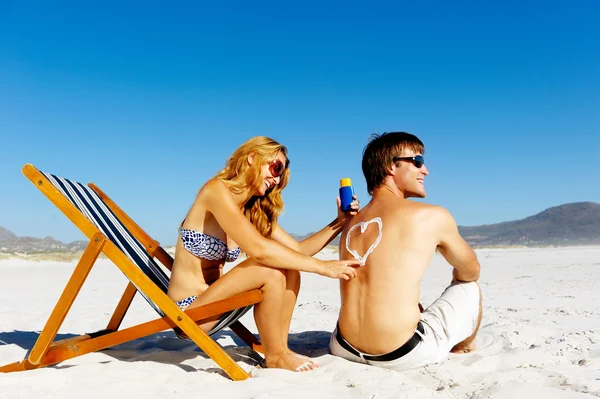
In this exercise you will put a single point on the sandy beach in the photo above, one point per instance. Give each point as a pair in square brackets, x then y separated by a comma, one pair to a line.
[540, 337]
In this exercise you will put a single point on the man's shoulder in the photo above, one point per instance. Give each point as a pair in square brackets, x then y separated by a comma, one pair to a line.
[426, 209]
[407, 209]
[437, 217]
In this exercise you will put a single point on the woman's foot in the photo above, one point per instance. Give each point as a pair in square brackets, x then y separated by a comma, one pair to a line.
[292, 361]
[306, 358]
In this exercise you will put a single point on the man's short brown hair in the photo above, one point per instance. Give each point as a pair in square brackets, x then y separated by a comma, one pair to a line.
[379, 153]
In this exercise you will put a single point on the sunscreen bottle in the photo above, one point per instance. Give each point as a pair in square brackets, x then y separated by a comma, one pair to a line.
[346, 193]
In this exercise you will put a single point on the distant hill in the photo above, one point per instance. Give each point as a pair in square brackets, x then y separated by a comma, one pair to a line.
[11, 243]
[6, 235]
[570, 224]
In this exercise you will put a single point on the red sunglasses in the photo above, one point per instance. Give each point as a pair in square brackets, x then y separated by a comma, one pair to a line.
[276, 168]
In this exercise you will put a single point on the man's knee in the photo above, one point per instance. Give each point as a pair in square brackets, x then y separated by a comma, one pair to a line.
[470, 287]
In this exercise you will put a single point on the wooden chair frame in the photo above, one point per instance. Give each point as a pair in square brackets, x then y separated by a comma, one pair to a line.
[46, 351]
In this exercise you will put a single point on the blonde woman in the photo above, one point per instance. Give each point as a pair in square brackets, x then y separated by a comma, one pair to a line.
[237, 211]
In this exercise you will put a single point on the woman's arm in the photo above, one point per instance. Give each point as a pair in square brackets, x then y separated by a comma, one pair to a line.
[313, 244]
[319, 240]
[217, 199]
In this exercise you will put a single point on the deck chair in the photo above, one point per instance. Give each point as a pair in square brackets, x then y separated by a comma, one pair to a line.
[133, 251]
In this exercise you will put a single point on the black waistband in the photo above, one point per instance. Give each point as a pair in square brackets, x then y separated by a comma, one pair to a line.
[396, 354]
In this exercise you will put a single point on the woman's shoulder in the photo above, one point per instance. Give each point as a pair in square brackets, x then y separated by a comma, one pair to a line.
[213, 185]
[212, 188]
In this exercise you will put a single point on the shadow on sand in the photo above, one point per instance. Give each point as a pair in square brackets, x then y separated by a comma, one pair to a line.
[25, 339]
[165, 347]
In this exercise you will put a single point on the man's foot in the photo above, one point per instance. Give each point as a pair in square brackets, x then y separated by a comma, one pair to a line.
[292, 361]
[463, 347]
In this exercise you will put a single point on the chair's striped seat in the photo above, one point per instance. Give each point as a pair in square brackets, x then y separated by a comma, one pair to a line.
[92, 207]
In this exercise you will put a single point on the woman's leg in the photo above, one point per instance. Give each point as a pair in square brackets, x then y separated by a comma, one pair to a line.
[292, 287]
[268, 314]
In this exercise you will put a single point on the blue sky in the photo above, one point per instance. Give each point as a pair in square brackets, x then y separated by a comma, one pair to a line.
[148, 99]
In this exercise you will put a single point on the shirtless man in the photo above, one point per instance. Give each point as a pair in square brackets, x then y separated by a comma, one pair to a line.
[380, 321]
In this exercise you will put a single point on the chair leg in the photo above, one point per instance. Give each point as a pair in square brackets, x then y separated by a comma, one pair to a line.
[77, 346]
[241, 331]
[67, 298]
[170, 309]
[122, 307]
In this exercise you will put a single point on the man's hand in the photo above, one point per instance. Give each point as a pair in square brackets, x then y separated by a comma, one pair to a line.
[457, 278]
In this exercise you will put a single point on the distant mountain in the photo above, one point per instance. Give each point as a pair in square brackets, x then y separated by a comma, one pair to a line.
[570, 224]
[6, 235]
[11, 243]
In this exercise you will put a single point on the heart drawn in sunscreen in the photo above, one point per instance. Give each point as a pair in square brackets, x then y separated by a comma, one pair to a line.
[363, 227]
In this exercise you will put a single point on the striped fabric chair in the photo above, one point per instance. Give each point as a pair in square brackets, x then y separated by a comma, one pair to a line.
[133, 251]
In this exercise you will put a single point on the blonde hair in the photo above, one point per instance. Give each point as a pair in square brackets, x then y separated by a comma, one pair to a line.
[238, 176]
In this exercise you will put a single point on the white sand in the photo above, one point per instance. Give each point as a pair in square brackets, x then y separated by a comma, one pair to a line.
[540, 337]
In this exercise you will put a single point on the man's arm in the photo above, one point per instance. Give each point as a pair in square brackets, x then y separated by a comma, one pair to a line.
[455, 249]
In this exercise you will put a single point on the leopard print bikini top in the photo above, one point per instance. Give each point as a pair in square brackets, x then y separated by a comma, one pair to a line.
[207, 247]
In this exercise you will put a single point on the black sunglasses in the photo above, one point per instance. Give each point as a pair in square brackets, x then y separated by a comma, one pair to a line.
[417, 160]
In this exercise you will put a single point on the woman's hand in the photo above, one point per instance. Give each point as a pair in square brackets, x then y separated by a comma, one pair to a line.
[342, 269]
[354, 206]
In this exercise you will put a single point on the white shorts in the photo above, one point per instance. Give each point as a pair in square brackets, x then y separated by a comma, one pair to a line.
[451, 319]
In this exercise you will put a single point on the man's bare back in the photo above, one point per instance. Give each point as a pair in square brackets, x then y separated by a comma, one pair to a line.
[380, 319]
[380, 307]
